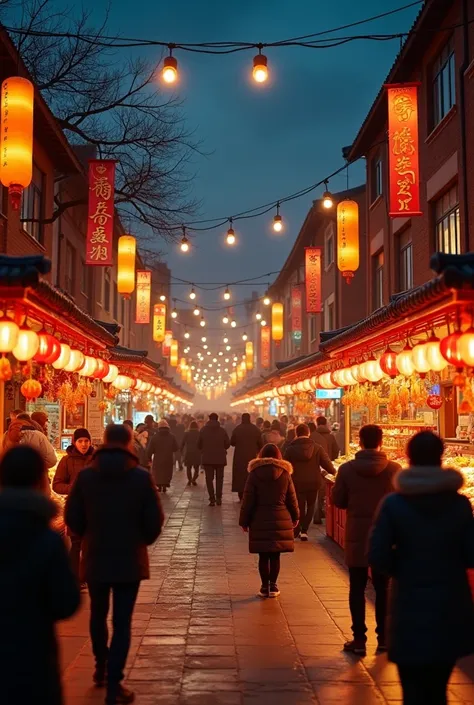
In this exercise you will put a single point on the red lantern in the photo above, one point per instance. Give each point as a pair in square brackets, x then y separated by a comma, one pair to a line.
[31, 389]
[388, 363]
[334, 380]
[102, 370]
[49, 349]
[449, 349]
[434, 401]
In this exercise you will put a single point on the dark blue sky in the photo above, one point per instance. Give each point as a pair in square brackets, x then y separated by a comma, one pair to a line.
[265, 142]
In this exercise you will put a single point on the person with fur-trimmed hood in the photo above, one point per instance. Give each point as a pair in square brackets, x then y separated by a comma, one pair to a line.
[269, 512]
[423, 538]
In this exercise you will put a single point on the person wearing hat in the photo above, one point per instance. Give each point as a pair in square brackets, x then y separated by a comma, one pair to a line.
[78, 456]
[41, 418]
[162, 447]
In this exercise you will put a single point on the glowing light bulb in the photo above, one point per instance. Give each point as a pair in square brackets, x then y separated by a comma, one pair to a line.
[220, 353]
[227, 294]
[205, 347]
[228, 347]
[277, 223]
[196, 311]
[192, 294]
[267, 300]
[328, 200]
[226, 339]
[263, 322]
[245, 336]
[202, 322]
[184, 246]
[203, 339]
[230, 237]
[186, 335]
[225, 319]
[174, 313]
[162, 297]
[260, 68]
[170, 70]
[258, 316]
[233, 324]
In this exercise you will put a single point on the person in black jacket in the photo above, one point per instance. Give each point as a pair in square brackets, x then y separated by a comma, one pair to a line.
[116, 509]
[162, 448]
[192, 454]
[178, 430]
[213, 443]
[307, 459]
[37, 585]
[423, 538]
[247, 440]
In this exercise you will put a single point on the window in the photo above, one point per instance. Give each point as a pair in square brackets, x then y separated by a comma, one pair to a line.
[3, 200]
[377, 268]
[70, 282]
[116, 302]
[107, 290]
[32, 206]
[86, 279]
[329, 247]
[448, 233]
[444, 83]
[405, 260]
[313, 327]
[329, 314]
[376, 179]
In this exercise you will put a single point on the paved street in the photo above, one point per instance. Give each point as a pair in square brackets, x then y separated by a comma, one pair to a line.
[201, 637]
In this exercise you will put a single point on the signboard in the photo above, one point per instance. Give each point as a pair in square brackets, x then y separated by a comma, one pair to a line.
[265, 337]
[143, 296]
[159, 323]
[100, 219]
[328, 393]
[296, 313]
[95, 420]
[313, 279]
[403, 150]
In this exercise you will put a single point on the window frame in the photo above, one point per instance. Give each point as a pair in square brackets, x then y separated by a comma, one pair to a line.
[452, 215]
[378, 279]
[70, 277]
[107, 289]
[34, 196]
[405, 258]
[329, 306]
[443, 75]
[329, 247]
[376, 178]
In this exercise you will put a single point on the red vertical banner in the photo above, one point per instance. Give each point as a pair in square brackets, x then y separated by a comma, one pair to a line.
[166, 346]
[403, 150]
[265, 337]
[100, 220]
[143, 296]
[313, 279]
[296, 313]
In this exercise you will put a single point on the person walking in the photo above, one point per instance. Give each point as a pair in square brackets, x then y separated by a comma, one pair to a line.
[24, 432]
[269, 513]
[323, 437]
[423, 538]
[307, 459]
[271, 433]
[178, 430]
[283, 425]
[213, 443]
[360, 486]
[78, 456]
[191, 452]
[247, 441]
[116, 509]
[162, 448]
[37, 585]
[290, 436]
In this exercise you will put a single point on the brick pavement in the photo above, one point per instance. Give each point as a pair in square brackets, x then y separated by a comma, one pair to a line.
[201, 637]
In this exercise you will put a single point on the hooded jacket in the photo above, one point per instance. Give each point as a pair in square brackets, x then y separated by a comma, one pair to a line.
[307, 458]
[269, 506]
[162, 447]
[115, 508]
[360, 486]
[69, 468]
[324, 438]
[26, 433]
[37, 588]
[247, 441]
[213, 443]
[423, 537]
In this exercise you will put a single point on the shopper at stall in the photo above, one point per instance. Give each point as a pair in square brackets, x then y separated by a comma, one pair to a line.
[23, 432]
[269, 512]
[162, 449]
[360, 486]
[423, 539]
[114, 506]
[191, 453]
[323, 437]
[247, 441]
[78, 456]
[307, 460]
[37, 585]
[41, 418]
[213, 444]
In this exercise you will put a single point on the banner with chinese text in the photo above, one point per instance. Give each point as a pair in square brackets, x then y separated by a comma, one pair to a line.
[166, 347]
[100, 221]
[143, 296]
[159, 323]
[265, 338]
[404, 170]
[313, 279]
[296, 313]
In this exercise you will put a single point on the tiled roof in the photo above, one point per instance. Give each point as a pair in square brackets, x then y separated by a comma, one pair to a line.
[23, 271]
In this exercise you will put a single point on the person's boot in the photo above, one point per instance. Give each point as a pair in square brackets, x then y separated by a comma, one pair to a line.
[117, 695]
[356, 646]
[212, 502]
[99, 676]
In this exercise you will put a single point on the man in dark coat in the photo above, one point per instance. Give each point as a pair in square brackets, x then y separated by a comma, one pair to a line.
[37, 585]
[269, 512]
[307, 459]
[178, 430]
[423, 539]
[323, 437]
[116, 509]
[162, 449]
[360, 486]
[247, 441]
[213, 444]
[192, 454]
[78, 456]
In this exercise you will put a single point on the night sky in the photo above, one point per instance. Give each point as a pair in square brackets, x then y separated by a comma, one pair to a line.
[264, 141]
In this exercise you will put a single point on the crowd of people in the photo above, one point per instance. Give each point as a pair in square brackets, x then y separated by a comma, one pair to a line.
[409, 529]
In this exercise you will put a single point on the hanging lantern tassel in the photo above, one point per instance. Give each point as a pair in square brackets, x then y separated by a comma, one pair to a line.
[348, 239]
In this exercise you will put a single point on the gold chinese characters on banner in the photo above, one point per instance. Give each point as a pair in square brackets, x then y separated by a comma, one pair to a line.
[313, 279]
[265, 337]
[159, 323]
[100, 221]
[142, 314]
[404, 170]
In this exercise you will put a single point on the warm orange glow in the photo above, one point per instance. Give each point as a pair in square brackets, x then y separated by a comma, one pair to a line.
[249, 355]
[142, 314]
[174, 353]
[122, 382]
[31, 389]
[8, 334]
[76, 360]
[170, 70]
[64, 357]
[347, 238]
[127, 249]
[260, 68]
[89, 367]
[27, 344]
[277, 321]
[433, 354]
[16, 166]
[159, 322]
[420, 358]
[405, 361]
[112, 375]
